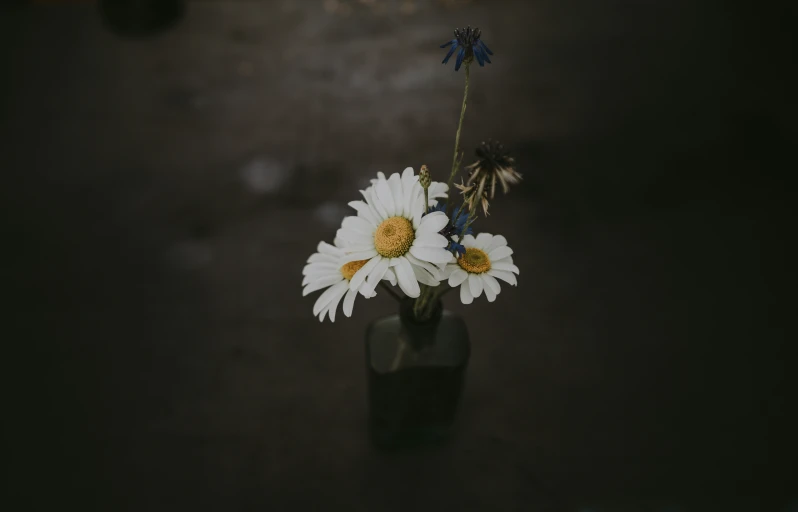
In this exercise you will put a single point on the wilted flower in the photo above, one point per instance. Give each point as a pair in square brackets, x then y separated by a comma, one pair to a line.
[472, 195]
[493, 164]
[467, 44]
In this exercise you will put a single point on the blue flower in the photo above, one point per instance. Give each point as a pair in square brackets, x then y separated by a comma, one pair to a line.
[467, 44]
[454, 227]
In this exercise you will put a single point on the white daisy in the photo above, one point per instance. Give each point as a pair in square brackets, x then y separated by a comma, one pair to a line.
[324, 271]
[487, 258]
[392, 232]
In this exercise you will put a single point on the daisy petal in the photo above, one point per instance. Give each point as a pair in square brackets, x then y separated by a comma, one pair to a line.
[437, 191]
[499, 253]
[504, 276]
[424, 277]
[417, 206]
[325, 298]
[349, 302]
[354, 237]
[336, 299]
[317, 257]
[429, 267]
[433, 222]
[489, 293]
[376, 275]
[408, 180]
[483, 240]
[503, 265]
[431, 254]
[312, 278]
[390, 275]
[358, 225]
[385, 197]
[474, 285]
[374, 202]
[315, 268]
[324, 282]
[465, 295]
[395, 184]
[498, 241]
[457, 277]
[364, 212]
[468, 241]
[407, 279]
[357, 256]
[430, 240]
[491, 283]
[326, 248]
[360, 275]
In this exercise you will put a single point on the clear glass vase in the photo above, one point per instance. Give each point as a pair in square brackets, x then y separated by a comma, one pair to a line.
[416, 372]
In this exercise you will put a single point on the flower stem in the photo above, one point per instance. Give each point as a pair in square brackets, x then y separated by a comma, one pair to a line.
[393, 293]
[459, 127]
[419, 302]
[472, 216]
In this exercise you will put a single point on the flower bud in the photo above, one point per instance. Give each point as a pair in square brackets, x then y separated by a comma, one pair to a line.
[424, 177]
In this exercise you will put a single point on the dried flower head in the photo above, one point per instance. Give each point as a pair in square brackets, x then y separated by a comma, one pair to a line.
[467, 44]
[473, 194]
[493, 164]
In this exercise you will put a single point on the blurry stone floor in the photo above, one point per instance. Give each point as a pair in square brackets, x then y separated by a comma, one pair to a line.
[162, 194]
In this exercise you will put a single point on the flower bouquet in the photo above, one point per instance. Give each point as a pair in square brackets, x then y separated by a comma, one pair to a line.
[408, 232]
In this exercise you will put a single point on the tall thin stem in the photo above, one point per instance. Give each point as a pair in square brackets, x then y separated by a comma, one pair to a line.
[472, 216]
[459, 127]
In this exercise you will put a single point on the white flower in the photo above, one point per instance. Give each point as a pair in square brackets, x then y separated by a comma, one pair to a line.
[324, 271]
[487, 258]
[392, 232]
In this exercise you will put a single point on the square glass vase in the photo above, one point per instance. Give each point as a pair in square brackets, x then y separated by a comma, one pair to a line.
[416, 372]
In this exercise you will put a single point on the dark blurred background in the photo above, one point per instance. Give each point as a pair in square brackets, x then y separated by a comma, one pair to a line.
[168, 167]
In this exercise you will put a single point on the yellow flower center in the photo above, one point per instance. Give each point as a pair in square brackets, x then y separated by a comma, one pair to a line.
[474, 261]
[351, 268]
[394, 237]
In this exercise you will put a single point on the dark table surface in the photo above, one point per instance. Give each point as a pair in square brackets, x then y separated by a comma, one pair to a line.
[162, 194]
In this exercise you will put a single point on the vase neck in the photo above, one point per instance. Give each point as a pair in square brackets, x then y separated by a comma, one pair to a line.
[420, 333]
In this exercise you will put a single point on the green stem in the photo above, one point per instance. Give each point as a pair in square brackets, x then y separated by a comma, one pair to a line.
[419, 302]
[459, 127]
[434, 297]
[470, 220]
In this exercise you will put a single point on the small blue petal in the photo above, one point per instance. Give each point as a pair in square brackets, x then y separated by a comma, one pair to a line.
[478, 54]
[448, 55]
[456, 248]
[439, 207]
[481, 52]
[447, 44]
[485, 47]
[460, 56]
